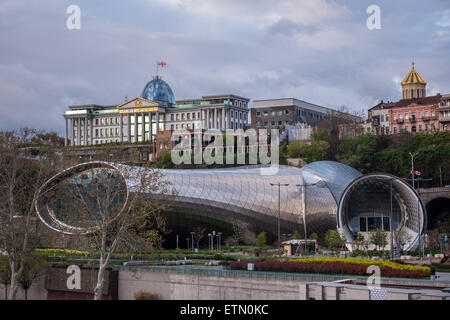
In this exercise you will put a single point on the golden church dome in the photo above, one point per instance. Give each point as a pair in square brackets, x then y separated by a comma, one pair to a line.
[413, 77]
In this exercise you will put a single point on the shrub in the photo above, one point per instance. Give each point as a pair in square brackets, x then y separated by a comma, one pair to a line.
[261, 239]
[218, 256]
[145, 295]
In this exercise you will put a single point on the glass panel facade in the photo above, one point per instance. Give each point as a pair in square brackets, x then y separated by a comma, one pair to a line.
[335, 196]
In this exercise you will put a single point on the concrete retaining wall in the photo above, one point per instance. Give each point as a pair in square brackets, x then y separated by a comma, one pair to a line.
[36, 292]
[205, 287]
[170, 284]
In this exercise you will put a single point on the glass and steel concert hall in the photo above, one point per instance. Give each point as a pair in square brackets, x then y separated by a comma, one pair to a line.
[323, 195]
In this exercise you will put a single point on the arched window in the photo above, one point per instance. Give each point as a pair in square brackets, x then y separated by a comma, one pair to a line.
[412, 93]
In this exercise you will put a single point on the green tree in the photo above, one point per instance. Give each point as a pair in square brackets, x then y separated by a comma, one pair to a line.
[163, 161]
[121, 221]
[320, 135]
[21, 176]
[379, 238]
[261, 239]
[314, 236]
[238, 232]
[5, 274]
[34, 265]
[296, 149]
[357, 152]
[318, 151]
[333, 239]
[296, 235]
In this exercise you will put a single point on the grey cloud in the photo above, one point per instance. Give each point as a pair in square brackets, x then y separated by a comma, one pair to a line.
[44, 67]
[288, 27]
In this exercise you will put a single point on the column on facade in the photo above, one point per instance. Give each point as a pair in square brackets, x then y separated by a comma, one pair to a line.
[79, 131]
[229, 119]
[91, 137]
[121, 127]
[203, 115]
[211, 119]
[157, 122]
[223, 118]
[129, 127]
[135, 127]
[211, 115]
[207, 118]
[65, 133]
[143, 126]
[150, 117]
[72, 130]
[164, 122]
[211, 122]
[85, 130]
[216, 118]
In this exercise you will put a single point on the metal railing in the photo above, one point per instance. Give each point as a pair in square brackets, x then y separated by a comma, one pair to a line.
[271, 275]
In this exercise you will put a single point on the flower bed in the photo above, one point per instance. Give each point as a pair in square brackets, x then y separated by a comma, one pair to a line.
[64, 251]
[367, 262]
[324, 268]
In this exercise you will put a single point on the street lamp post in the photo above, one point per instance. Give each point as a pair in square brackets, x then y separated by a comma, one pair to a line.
[219, 243]
[421, 244]
[212, 240]
[320, 184]
[279, 211]
[192, 243]
[390, 223]
[421, 248]
[412, 166]
[209, 241]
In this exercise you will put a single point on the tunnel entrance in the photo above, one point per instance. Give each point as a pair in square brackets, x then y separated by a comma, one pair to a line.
[438, 214]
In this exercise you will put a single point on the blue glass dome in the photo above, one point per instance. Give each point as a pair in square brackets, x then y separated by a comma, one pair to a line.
[159, 91]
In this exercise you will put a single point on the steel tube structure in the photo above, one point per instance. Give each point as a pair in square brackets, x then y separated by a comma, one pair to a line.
[343, 200]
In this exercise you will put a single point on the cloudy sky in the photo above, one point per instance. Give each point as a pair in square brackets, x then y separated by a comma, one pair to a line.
[320, 51]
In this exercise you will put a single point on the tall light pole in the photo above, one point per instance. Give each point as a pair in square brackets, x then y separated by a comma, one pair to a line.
[421, 244]
[320, 184]
[192, 243]
[421, 247]
[279, 210]
[412, 165]
[209, 241]
[219, 243]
